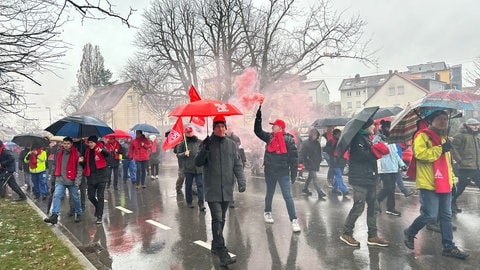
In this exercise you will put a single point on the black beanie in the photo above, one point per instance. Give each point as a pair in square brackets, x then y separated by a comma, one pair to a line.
[368, 123]
[92, 138]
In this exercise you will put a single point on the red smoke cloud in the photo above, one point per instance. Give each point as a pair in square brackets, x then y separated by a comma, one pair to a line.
[247, 88]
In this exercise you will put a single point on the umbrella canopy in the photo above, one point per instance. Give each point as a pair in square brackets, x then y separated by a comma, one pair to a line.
[352, 128]
[79, 126]
[205, 107]
[145, 128]
[386, 112]
[31, 140]
[118, 133]
[405, 123]
[330, 122]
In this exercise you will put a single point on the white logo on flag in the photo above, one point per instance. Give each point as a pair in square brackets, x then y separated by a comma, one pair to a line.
[438, 174]
[174, 135]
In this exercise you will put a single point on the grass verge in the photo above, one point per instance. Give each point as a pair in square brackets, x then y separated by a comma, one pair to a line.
[26, 242]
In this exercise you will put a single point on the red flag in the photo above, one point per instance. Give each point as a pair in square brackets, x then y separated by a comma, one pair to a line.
[200, 121]
[175, 136]
[193, 94]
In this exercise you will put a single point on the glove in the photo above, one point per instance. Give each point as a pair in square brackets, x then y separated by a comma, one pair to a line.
[292, 179]
[242, 188]
[259, 113]
[446, 147]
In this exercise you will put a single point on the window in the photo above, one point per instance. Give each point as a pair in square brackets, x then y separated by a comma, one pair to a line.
[349, 94]
[358, 104]
[358, 93]
[129, 99]
[391, 91]
[400, 90]
[349, 105]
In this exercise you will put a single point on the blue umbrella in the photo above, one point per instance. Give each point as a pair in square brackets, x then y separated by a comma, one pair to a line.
[145, 128]
[79, 126]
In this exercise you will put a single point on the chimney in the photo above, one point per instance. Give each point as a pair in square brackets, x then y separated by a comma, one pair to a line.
[357, 78]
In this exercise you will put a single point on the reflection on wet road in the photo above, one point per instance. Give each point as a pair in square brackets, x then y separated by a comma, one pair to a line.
[152, 228]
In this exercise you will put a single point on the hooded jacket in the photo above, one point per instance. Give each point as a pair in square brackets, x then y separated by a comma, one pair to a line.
[139, 152]
[362, 163]
[310, 154]
[391, 162]
[221, 165]
[466, 149]
[426, 154]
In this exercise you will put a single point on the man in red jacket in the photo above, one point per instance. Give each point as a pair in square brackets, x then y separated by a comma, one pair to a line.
[139, 152]
[95, 169]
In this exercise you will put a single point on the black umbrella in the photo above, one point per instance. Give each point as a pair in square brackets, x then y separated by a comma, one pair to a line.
[386, 112]
[330, 122]
[145, 128]
[352, 128]
[79, 126]
[31, 140]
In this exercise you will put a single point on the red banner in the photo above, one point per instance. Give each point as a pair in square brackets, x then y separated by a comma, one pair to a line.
[175, 136]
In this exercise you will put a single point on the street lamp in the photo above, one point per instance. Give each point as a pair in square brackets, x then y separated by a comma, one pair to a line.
[49, 114]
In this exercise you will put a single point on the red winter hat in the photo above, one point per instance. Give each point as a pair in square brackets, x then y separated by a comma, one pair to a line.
[379, 149]
[279, 123]
[219, 119]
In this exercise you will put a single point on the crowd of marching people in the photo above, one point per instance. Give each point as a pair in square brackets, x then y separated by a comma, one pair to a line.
[213, 167]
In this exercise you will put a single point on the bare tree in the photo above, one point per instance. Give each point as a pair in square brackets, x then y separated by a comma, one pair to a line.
[473, 76]
[153, 85]
[276, 38]
[30, 44]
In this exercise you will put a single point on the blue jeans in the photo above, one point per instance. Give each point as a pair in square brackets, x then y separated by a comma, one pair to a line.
[129, 168]
[142, 167]
[188, 187]
[39, 181]
[58, 194]
[434, 205]
[284, 182]
[338, 180]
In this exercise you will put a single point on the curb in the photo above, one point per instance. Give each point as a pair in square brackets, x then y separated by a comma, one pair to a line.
[65, 240]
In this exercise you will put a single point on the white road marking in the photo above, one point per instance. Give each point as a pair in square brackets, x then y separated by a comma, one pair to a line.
[208, 246]
[160, 225]
[125, 210]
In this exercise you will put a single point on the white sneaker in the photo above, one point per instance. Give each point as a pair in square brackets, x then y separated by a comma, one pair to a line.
[267, 216]
[295, 226]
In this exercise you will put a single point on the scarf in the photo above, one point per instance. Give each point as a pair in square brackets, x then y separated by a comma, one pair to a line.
[154, 146]
[439, 166]
[111, 147]
[100, 161]
[71, 172]
[33, 158]
[277, 144]
[1, 147]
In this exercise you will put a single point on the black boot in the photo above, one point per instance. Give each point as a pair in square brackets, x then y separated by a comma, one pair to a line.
[52, 219]
[78, 218]
[225, 258]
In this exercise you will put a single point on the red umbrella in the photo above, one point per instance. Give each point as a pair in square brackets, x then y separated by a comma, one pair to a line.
[205, 107]
[118, 133]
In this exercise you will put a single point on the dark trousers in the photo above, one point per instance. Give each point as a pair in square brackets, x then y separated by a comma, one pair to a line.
[362, 195]
[142, 166]
[218, 211]
[96, 195]
[154, 169]
[464, 178]
[7, 178]
[388, 189]
[113, 169]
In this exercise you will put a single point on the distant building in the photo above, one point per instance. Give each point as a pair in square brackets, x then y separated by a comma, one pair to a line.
[119, 105]
[318, 93]
[438, 71]
[355, 91]
[397, 90]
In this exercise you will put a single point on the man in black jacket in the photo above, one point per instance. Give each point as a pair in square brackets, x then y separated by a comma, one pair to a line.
[221, 166]
[281, 164]
[7, 168]
[311, 157]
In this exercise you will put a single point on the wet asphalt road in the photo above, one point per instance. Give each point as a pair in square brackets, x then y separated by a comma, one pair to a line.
[152, 228]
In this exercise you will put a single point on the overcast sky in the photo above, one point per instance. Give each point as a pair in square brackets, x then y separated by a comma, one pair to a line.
[405, 32]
